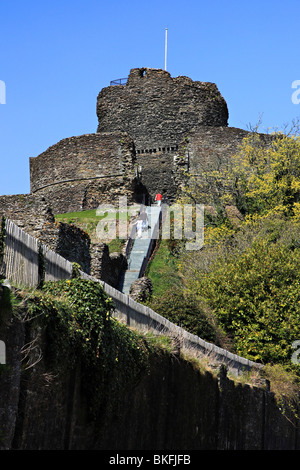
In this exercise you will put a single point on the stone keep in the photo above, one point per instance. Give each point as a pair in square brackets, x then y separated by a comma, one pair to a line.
[149, 129]
[174, 123]
[158, 111]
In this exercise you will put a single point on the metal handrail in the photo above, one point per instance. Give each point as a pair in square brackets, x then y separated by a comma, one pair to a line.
[119, 81]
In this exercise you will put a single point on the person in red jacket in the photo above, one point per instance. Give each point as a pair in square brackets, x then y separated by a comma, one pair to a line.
[158, 199]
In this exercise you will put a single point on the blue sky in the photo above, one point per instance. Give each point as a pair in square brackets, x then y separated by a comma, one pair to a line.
[56, 56]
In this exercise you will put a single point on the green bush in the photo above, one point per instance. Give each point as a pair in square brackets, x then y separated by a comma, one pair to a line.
[185, 312]
[256, 298]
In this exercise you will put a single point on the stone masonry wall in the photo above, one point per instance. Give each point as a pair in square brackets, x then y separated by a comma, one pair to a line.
[157, 110]
[81, 172]
[162, 114]
[203, 148]
[158, 172]
[207, 149]
[149, 130]
[89, 194]
[33, 214]
[107, 266]
[143, 127]
[30, 212]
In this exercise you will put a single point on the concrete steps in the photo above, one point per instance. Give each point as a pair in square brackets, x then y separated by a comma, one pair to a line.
[140, 249]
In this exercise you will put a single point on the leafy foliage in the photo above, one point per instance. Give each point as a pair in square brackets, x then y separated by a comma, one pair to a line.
[163, 268]
[168, 298]
[185, 312]
[256, 298]
[267, 177]
[80, 329]
[248, 275]
[262, 178]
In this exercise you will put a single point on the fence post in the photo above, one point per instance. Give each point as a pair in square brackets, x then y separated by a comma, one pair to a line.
[2, 247]
[41, 266]
[2, 353]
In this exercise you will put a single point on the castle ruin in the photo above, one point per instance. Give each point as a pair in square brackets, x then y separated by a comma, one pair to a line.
[150, 128]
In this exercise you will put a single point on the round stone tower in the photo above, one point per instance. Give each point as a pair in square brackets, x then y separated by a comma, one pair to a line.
[81, 172]
[158, 112]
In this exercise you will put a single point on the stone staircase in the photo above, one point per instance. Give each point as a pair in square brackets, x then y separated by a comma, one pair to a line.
[141, 249]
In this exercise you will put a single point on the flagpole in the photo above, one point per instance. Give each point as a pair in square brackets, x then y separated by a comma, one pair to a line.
[166, 39]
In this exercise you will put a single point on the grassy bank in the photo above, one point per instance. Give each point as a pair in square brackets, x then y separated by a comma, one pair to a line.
[88, 221]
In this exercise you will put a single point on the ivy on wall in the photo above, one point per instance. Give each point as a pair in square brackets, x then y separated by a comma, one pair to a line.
[79, 329]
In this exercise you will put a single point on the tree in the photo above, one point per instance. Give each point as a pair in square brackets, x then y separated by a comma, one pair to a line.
[262, 178]
[256, 298]
[267, 177]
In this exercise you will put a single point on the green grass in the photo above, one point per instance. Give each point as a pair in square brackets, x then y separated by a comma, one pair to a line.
[82, 215]
[88, 221]
[116, 245]
[88, 215]
[162, 270]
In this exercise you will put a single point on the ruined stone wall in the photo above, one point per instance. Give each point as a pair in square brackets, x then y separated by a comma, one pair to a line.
[30, 212]
[89, 194]
[162, 115]
[158, 172]
[157, 110]
[207, 149]
[202, 149]
[143, 129]
[33, 214]
[149, 130]
[81, 172]
[107, 266]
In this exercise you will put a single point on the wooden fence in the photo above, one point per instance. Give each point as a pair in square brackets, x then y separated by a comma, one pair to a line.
[21, 256]
[26, 261]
